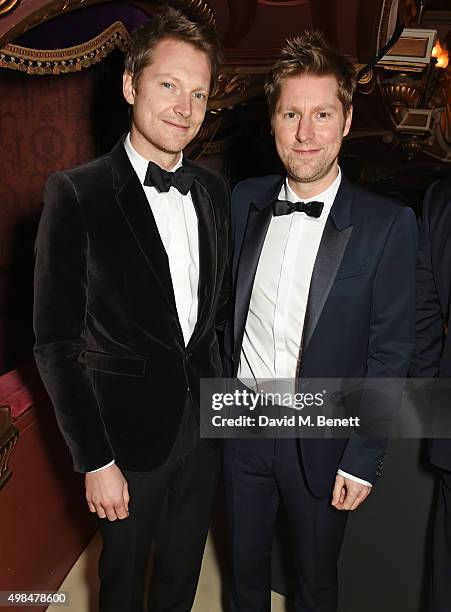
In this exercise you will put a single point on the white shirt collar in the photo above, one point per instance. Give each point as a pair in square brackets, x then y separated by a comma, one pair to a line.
[327, 196]
[140, 163]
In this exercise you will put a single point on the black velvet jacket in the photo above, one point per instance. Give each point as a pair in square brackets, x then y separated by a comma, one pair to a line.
[109, 345]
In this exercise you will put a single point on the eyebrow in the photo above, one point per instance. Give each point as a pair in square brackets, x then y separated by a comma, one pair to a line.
[321, 107]
[318, 107]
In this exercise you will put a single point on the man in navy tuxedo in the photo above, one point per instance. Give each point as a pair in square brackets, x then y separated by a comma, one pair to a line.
[432, 359]
[325, 287]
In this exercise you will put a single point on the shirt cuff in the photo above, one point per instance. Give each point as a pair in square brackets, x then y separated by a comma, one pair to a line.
[101, 468]
[351, 477]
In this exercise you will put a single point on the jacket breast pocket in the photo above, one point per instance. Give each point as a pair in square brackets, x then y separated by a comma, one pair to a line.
[115, 364]
[351, 271]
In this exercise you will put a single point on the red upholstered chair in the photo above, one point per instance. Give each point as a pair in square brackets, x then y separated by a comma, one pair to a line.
[44, 521]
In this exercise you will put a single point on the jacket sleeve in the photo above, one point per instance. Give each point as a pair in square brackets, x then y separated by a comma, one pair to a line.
[391, 341]
[429, 317]
[222, 311]
[60, 311]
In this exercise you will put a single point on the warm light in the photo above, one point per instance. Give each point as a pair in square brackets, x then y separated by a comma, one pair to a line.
[441, 53]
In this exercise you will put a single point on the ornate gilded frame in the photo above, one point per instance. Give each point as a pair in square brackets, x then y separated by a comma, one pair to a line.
[53, 8]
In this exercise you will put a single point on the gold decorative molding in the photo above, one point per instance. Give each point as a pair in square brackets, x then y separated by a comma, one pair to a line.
[235, 87]
[54, 8]
[61, 61]
[201, 8]
[6, 6]
[8, 439]
[49, 10]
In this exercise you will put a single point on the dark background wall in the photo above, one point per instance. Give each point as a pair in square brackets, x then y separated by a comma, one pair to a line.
[47, 124]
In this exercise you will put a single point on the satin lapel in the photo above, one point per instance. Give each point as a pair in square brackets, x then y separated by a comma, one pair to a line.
[254, 236]
[330, 253]
[336, 235]
[207, 230]
[138, 215]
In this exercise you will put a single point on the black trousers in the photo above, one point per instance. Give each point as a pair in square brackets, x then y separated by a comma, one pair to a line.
[259, 475]
[170, 508]
[441, 555]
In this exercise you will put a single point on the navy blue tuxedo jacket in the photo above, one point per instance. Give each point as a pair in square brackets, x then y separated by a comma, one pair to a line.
[360, 319]
[432, 355]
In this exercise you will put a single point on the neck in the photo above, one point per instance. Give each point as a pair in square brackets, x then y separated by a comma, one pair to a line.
[146, 149]
[307, 190]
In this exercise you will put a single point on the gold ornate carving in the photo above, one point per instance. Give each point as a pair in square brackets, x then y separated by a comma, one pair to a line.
[237, 85]
[8, 439]
[53, 8]
[232, 88]
[7, 6]
[201, 9]
[72, 59]
[399, 95]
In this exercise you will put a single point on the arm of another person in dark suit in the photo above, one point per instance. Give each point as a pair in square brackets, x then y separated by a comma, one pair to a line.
[223, 308]
[60, 311]
[429, 317]
[391, 337]
[225, 301]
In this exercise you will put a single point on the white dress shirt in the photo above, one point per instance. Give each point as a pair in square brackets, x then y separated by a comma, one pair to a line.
[275, 321]
[176, 220]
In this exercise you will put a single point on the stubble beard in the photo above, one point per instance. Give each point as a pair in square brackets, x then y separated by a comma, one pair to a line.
[319, 170]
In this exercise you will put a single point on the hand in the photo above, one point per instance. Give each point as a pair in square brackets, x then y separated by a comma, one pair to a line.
[107, 493]
[348, 494]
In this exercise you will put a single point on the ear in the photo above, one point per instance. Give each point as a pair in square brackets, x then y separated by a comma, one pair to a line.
[127, 88]
[347, 124]
[271, 125]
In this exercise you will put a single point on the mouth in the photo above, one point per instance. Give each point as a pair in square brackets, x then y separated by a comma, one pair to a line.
[177, 126]
[306, 153]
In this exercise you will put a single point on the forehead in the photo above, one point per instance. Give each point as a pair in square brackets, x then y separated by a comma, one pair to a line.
[172, 56]
[309, 89]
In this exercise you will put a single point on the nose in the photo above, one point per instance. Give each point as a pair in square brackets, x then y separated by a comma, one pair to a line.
[305, 129]
[183, 106]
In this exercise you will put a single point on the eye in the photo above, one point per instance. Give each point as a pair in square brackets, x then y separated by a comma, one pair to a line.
[167, 85]
[290, 115]
[199, 96]
[323, 115]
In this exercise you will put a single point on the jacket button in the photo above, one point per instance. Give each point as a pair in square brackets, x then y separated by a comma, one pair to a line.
[189, 354]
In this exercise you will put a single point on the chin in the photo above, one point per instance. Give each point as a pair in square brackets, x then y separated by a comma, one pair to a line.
[171, 148]
[175, 146]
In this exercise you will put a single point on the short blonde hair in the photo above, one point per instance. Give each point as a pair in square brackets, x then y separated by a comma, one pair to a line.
[311, 54]
[170, 23]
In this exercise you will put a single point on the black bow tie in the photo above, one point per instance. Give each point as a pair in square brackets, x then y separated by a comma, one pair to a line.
[182, 179]
[283, 207]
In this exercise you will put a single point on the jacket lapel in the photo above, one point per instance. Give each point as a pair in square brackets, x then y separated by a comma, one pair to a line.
[207, 229]
[259, 218]
[133, 203]
[336, 235]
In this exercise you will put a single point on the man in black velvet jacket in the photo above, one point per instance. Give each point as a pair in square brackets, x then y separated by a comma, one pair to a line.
[130, 285]
[432, 359]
